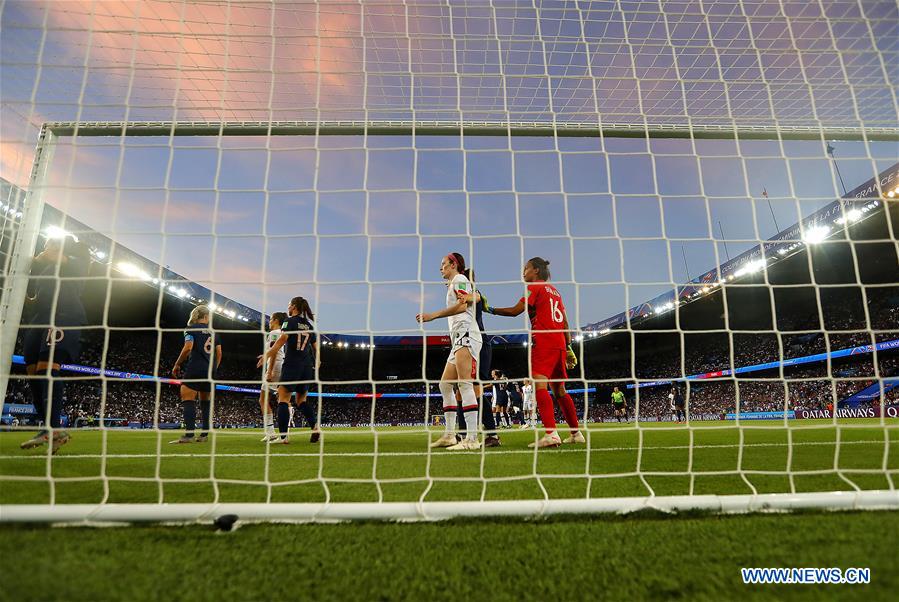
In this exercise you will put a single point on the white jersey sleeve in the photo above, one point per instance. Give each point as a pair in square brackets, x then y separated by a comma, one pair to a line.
[273, 336]
[466, 320]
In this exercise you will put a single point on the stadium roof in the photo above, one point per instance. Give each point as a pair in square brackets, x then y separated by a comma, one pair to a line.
[855, 206]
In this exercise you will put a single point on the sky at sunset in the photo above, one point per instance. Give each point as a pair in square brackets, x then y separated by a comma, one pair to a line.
[359, 223]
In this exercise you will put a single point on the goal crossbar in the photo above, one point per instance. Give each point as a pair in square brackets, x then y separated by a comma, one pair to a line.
[469, 128]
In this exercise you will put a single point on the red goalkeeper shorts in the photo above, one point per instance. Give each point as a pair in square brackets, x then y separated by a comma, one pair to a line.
[548, 362]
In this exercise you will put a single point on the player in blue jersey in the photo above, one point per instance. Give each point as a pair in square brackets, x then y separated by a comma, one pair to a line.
[203, 355]
[501, 399]
[680, 405]
[61, 268]
[31, 336]
[301, 360]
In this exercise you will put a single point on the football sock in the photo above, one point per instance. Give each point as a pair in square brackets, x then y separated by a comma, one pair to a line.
[470, 408]
[56, 399]
[449, 407]
[487, 417]
[206, 415]
[190, 417]
[39, 387]
[569, 411]
[308, 413]
[283, 418]
[460, 420]
[269, 422]
[545, 409]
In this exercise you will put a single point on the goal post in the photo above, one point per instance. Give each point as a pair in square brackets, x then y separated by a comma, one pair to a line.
[17, 276]
[434, 511]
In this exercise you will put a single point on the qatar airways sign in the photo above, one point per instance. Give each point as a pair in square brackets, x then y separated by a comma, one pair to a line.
[891, 411]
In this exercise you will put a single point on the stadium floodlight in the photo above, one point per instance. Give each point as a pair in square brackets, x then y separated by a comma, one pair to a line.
[132, 271]
[100, 255]
[53, 231]
[815, 234]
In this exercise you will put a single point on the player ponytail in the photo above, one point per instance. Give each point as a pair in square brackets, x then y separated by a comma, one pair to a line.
[303, 307]
[457, 260]
[542, 267]
[469, 273]
[197, 314]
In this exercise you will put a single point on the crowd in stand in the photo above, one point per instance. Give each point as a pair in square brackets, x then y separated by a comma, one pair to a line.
[808, 386]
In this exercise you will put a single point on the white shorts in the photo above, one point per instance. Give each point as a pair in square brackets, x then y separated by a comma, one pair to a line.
[529, 405]
[462, 339]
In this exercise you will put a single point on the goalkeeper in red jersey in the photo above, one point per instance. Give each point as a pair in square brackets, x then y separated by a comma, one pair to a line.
[551, 353]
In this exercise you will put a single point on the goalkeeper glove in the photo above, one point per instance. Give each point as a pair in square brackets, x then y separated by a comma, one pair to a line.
[570, 358]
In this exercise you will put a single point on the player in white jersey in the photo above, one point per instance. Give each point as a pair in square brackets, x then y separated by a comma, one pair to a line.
[272, 376]
[671, 405]
[529, 405]
[461, 367]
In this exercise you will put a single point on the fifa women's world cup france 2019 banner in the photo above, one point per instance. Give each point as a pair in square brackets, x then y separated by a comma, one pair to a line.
[890, 411]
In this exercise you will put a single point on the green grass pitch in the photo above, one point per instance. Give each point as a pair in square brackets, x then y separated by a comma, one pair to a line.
[393, 464]
[695, 557]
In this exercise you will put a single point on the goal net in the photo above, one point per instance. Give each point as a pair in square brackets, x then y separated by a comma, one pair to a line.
[713, 184]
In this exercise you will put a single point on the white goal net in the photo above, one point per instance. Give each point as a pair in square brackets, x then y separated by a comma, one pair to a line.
[712, 182]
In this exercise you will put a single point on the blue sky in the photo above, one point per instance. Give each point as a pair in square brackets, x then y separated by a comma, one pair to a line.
[360, 224]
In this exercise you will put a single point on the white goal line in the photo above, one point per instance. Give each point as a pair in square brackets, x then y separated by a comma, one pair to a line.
[463, 453]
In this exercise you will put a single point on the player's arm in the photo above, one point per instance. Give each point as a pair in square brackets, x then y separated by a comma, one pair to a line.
[509, 312]
[182, 357]
[570, 355]
[316, 354]
[218, 356]
[459, 307]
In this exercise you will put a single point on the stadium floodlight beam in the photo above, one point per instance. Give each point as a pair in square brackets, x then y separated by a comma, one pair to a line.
[815, 234]
[54, 231]
[133, 271]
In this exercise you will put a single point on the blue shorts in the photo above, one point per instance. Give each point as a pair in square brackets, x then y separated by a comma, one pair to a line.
[64, 343]
[305, 373]
[194, 383]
